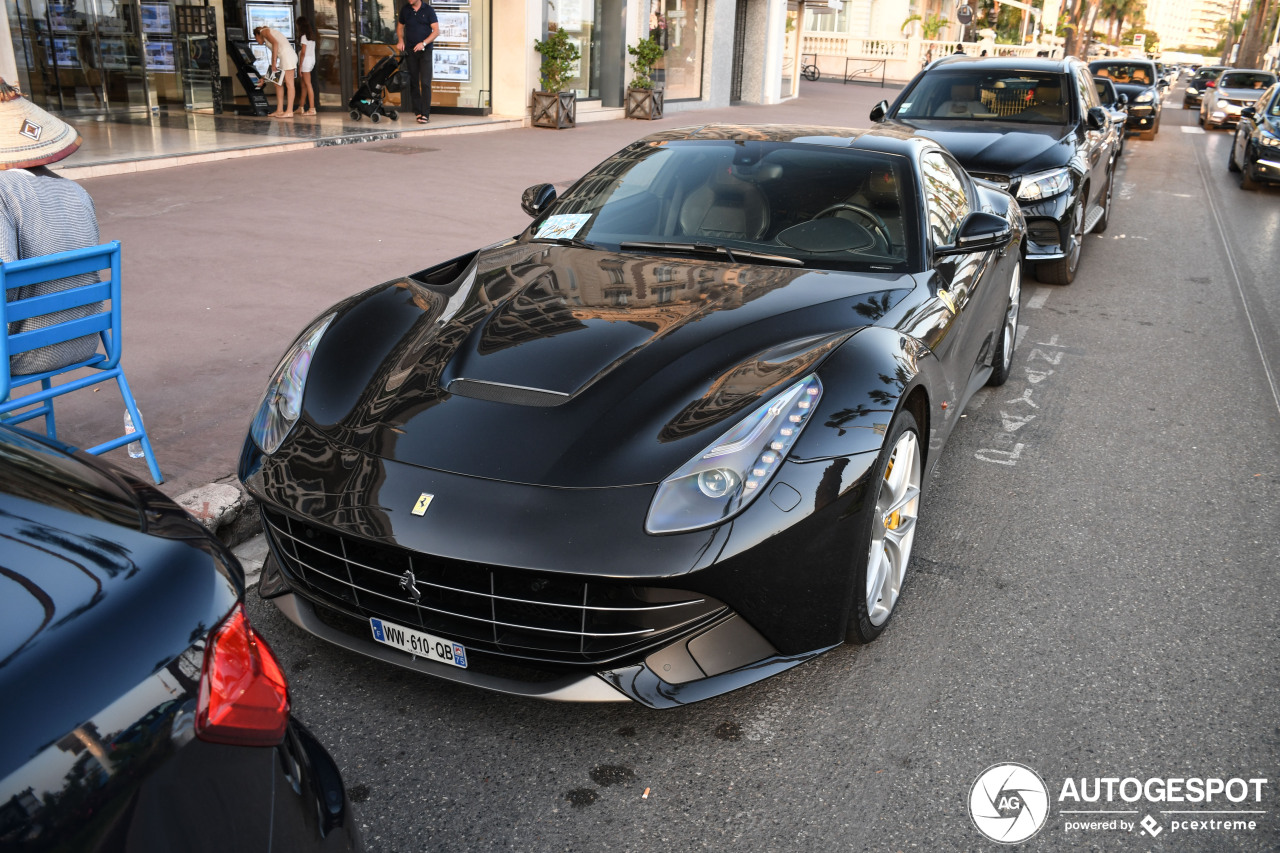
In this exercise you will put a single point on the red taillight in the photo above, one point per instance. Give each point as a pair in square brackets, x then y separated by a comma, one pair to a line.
[244, 697]
[1211, 84]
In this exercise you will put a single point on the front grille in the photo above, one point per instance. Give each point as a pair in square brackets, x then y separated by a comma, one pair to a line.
[531, 615]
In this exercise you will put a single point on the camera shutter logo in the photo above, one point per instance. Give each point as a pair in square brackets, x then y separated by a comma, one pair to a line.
[1009, 803]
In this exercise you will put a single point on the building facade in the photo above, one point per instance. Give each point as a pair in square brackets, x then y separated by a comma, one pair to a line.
[86, 57]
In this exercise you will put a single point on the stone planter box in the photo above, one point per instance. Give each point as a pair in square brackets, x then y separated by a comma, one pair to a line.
[556, 110]
[644, 103]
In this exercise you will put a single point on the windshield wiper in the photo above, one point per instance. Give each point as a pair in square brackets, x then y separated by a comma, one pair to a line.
[567, 241]
[712, 249]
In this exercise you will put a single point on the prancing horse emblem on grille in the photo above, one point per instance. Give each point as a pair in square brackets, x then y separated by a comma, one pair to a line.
[410, 584]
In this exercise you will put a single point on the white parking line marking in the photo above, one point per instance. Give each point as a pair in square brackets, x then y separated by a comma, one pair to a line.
[1189, 129]
[1038, 298]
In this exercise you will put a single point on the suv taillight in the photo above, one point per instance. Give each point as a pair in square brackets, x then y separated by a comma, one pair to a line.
[1211, 84]
[244, 697]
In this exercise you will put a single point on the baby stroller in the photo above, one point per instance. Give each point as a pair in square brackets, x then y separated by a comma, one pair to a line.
[368, 98]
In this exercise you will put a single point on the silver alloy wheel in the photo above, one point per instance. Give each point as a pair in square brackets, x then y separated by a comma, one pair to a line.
[1011, 316]
[893, 528]
[1077, 234]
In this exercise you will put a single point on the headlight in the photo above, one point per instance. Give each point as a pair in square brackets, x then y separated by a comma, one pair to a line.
[1044, 185]
[1192, 90]
[1146, 97]
[726, 477]
[282, 404]
[1269, 140]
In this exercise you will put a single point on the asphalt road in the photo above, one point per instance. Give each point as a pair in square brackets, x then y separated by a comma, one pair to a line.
[1093, 594]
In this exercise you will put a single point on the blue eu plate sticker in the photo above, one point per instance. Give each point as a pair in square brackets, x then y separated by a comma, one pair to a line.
[378, 633]
[459, 655]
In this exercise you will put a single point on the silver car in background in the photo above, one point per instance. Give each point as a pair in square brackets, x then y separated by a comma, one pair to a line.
[1236, 89]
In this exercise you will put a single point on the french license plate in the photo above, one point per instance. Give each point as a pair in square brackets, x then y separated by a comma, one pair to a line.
[418, 643]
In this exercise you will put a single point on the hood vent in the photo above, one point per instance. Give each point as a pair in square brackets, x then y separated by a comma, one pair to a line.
[515, 395]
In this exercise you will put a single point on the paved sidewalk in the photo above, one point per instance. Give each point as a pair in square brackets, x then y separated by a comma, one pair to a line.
[225, 261]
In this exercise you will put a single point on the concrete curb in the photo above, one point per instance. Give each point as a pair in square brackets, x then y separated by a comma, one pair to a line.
[225, 510]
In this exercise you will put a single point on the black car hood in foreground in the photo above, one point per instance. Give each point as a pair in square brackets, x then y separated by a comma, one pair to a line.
[1001, 148]
[531, 339]
[81, 555]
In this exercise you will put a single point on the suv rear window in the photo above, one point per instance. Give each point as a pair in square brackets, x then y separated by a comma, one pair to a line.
[1004, 96]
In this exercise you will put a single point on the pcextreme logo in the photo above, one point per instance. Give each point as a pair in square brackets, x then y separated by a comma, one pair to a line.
[1009, 803]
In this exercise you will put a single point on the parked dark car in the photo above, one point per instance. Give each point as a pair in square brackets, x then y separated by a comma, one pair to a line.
[1255, 151]
[1204, 79]
[1139, 80]
[668, 441]
[141, 712]
[1032, 126]
[1236, 89]
[1117, 107]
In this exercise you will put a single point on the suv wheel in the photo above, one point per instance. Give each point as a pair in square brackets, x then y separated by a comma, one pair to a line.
[1063, 270]
[1101, 225]
[1232, 165]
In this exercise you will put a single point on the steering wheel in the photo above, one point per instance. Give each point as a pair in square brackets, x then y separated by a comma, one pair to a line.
[875, 223]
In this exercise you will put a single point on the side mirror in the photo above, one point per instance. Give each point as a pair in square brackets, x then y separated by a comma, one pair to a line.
[1248, 112]
[1097, 118]
[879, 111]
[1163, 84]
[535, 200]
[979, 232]
[1124, 99]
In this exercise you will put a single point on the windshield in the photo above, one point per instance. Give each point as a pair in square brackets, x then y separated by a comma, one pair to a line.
[1204, 75]
[1246, 80]
[1124, 72]
[1004, 96]
[822, 206]
[1275, 105]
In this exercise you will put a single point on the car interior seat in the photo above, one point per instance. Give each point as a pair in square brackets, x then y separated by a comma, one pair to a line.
[963, 102]
[725, 206]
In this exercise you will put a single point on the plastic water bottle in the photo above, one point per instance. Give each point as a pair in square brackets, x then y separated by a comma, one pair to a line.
[135, 448]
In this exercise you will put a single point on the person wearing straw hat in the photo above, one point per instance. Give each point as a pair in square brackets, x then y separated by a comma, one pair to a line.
[42, 214]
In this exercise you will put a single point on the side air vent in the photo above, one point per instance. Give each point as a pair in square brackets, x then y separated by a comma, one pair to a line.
[496, 392]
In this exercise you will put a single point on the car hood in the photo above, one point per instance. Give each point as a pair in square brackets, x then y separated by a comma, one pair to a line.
[1249, 94]
[570, 367]
[984, 146]
[89, 607]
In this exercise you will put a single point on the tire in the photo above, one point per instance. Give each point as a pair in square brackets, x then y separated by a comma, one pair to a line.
[1232, 165]
[1007, 334]
[884, 551]
[810, 73]
[1100, 226]
[1246, 176]
[1063, 270]
[355, 115]
[1200, 118]
[375, 117]
[393, 115]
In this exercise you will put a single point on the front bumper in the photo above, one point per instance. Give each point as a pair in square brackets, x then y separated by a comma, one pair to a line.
[1142, 117]
[1266, 169]
[1048, 228]
[766, 591]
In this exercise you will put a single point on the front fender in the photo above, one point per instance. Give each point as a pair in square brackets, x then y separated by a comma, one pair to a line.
[864, 383]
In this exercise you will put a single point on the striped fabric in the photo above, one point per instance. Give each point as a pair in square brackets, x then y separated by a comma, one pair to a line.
[41, 214]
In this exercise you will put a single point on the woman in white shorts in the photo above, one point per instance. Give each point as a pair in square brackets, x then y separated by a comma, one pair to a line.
[306, 63]
[283, 59]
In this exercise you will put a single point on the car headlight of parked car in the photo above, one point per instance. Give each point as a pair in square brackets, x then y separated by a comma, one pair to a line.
[1042, 185]
[1268, 139]
[282, 404]
[1146, 98]
[1192, 90]
[726, 477]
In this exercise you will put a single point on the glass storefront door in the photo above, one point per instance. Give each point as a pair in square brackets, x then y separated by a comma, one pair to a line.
[79, 57]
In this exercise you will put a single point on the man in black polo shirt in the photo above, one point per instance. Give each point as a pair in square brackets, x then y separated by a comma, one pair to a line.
[417, 26]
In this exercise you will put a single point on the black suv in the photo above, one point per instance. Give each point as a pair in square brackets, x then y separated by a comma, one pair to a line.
[1035, 128]
[1204, 79]
[1139, 79]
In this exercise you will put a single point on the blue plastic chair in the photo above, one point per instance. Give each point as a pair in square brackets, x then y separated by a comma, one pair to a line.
[102, 299]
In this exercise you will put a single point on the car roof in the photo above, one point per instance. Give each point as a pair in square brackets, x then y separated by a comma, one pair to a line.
[1119, 60]
[885, 138]
[1010, 63]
